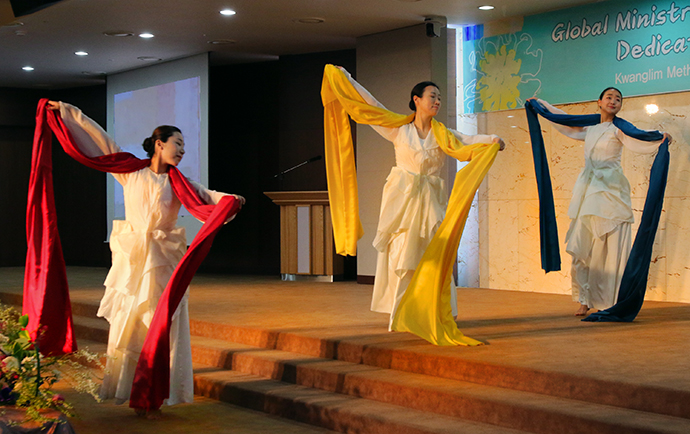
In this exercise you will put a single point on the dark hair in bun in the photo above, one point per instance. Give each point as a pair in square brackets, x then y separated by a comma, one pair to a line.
[161, 133]
[610, 88]
[418, 91]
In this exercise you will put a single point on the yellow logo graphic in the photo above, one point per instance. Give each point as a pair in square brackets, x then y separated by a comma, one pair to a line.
[498, 86]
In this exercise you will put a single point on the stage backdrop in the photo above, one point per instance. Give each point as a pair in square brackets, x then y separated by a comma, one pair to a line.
[565, 56]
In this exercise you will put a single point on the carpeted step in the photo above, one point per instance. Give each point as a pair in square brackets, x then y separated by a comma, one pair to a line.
[326, 409]
[86, 325]
[13, 299]
[88, 310]
[92, 329]
[94, 347]
[469, 401]
[422, 360]
[371, 351]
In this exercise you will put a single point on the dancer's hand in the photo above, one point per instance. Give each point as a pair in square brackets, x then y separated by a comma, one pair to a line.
[501, 143]
[53, 105]
[241, 199]
[668, 137]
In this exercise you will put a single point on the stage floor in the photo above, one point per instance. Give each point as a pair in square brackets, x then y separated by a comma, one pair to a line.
[530, 331]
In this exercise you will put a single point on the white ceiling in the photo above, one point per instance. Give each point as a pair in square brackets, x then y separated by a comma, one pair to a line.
[261, 29]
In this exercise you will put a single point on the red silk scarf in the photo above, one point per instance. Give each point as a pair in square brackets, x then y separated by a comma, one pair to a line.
[46, 293]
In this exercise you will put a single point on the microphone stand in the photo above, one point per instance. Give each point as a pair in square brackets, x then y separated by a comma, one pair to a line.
[280, 175]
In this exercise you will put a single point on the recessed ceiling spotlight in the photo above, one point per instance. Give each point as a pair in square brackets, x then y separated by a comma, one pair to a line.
[28, 68]
[651, 109]
[13, 24]
[119, 33]
[20, 32]
[81, 53]
[222, 41]
[227, 12]
[149, 58]
[309, 20]
[146, 35]
[486, 7]
[510, 116]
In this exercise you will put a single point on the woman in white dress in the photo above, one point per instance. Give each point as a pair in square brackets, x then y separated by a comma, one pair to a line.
[146, 248]
[600, 210]
[414, 197]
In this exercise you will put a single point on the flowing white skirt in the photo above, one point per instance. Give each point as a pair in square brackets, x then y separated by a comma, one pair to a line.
[598, 261]
[412, 208]
[142, 266]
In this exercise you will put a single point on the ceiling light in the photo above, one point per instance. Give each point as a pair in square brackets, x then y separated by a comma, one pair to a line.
[146, 35]
[119, 33]
[309, 20]
[81, 53]
[486, 7]
[149, 58]
[227, 12]
[13, 24]
[510, 116]
[28, 68]
[651, 109]
[222, 41]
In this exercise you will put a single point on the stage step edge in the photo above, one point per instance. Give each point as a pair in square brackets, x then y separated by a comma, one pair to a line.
[650, 399]
[534, 413]
[325, 409]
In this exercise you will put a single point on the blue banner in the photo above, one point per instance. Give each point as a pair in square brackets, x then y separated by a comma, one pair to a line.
[571, 55]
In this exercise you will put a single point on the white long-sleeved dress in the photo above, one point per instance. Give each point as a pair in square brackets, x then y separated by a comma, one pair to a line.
[413, 205]
[599, 237]
[146, 248]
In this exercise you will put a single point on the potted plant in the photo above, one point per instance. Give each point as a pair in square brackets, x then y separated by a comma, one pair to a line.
[27, 377]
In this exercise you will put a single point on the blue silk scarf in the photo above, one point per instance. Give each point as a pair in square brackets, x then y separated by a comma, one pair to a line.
[634, 280]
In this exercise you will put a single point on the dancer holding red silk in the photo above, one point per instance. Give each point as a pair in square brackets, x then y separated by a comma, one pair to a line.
[145, 299]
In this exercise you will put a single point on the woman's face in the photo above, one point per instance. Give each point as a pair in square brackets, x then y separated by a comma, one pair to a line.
[430, 102]
[611, 102]
[172, 150]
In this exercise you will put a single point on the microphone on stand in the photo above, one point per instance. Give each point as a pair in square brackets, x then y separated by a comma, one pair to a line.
[311, 160]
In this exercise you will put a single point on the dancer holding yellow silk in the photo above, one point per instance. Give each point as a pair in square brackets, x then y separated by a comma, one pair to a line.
[414, 270]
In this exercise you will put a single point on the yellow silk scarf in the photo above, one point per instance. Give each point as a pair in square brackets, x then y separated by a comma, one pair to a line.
[425, 307]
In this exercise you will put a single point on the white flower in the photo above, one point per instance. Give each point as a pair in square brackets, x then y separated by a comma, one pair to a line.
[11, 363]
[3, 339]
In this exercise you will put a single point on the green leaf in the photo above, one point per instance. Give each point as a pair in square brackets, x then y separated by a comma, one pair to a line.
[23, 320]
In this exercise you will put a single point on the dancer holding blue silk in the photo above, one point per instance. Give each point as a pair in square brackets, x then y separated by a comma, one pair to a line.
[599, 236]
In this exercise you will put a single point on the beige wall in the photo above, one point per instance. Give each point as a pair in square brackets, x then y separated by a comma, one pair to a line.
[389, 64]
[508, 206]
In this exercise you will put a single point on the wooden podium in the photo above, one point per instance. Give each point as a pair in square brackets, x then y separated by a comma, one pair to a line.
[306, 236]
